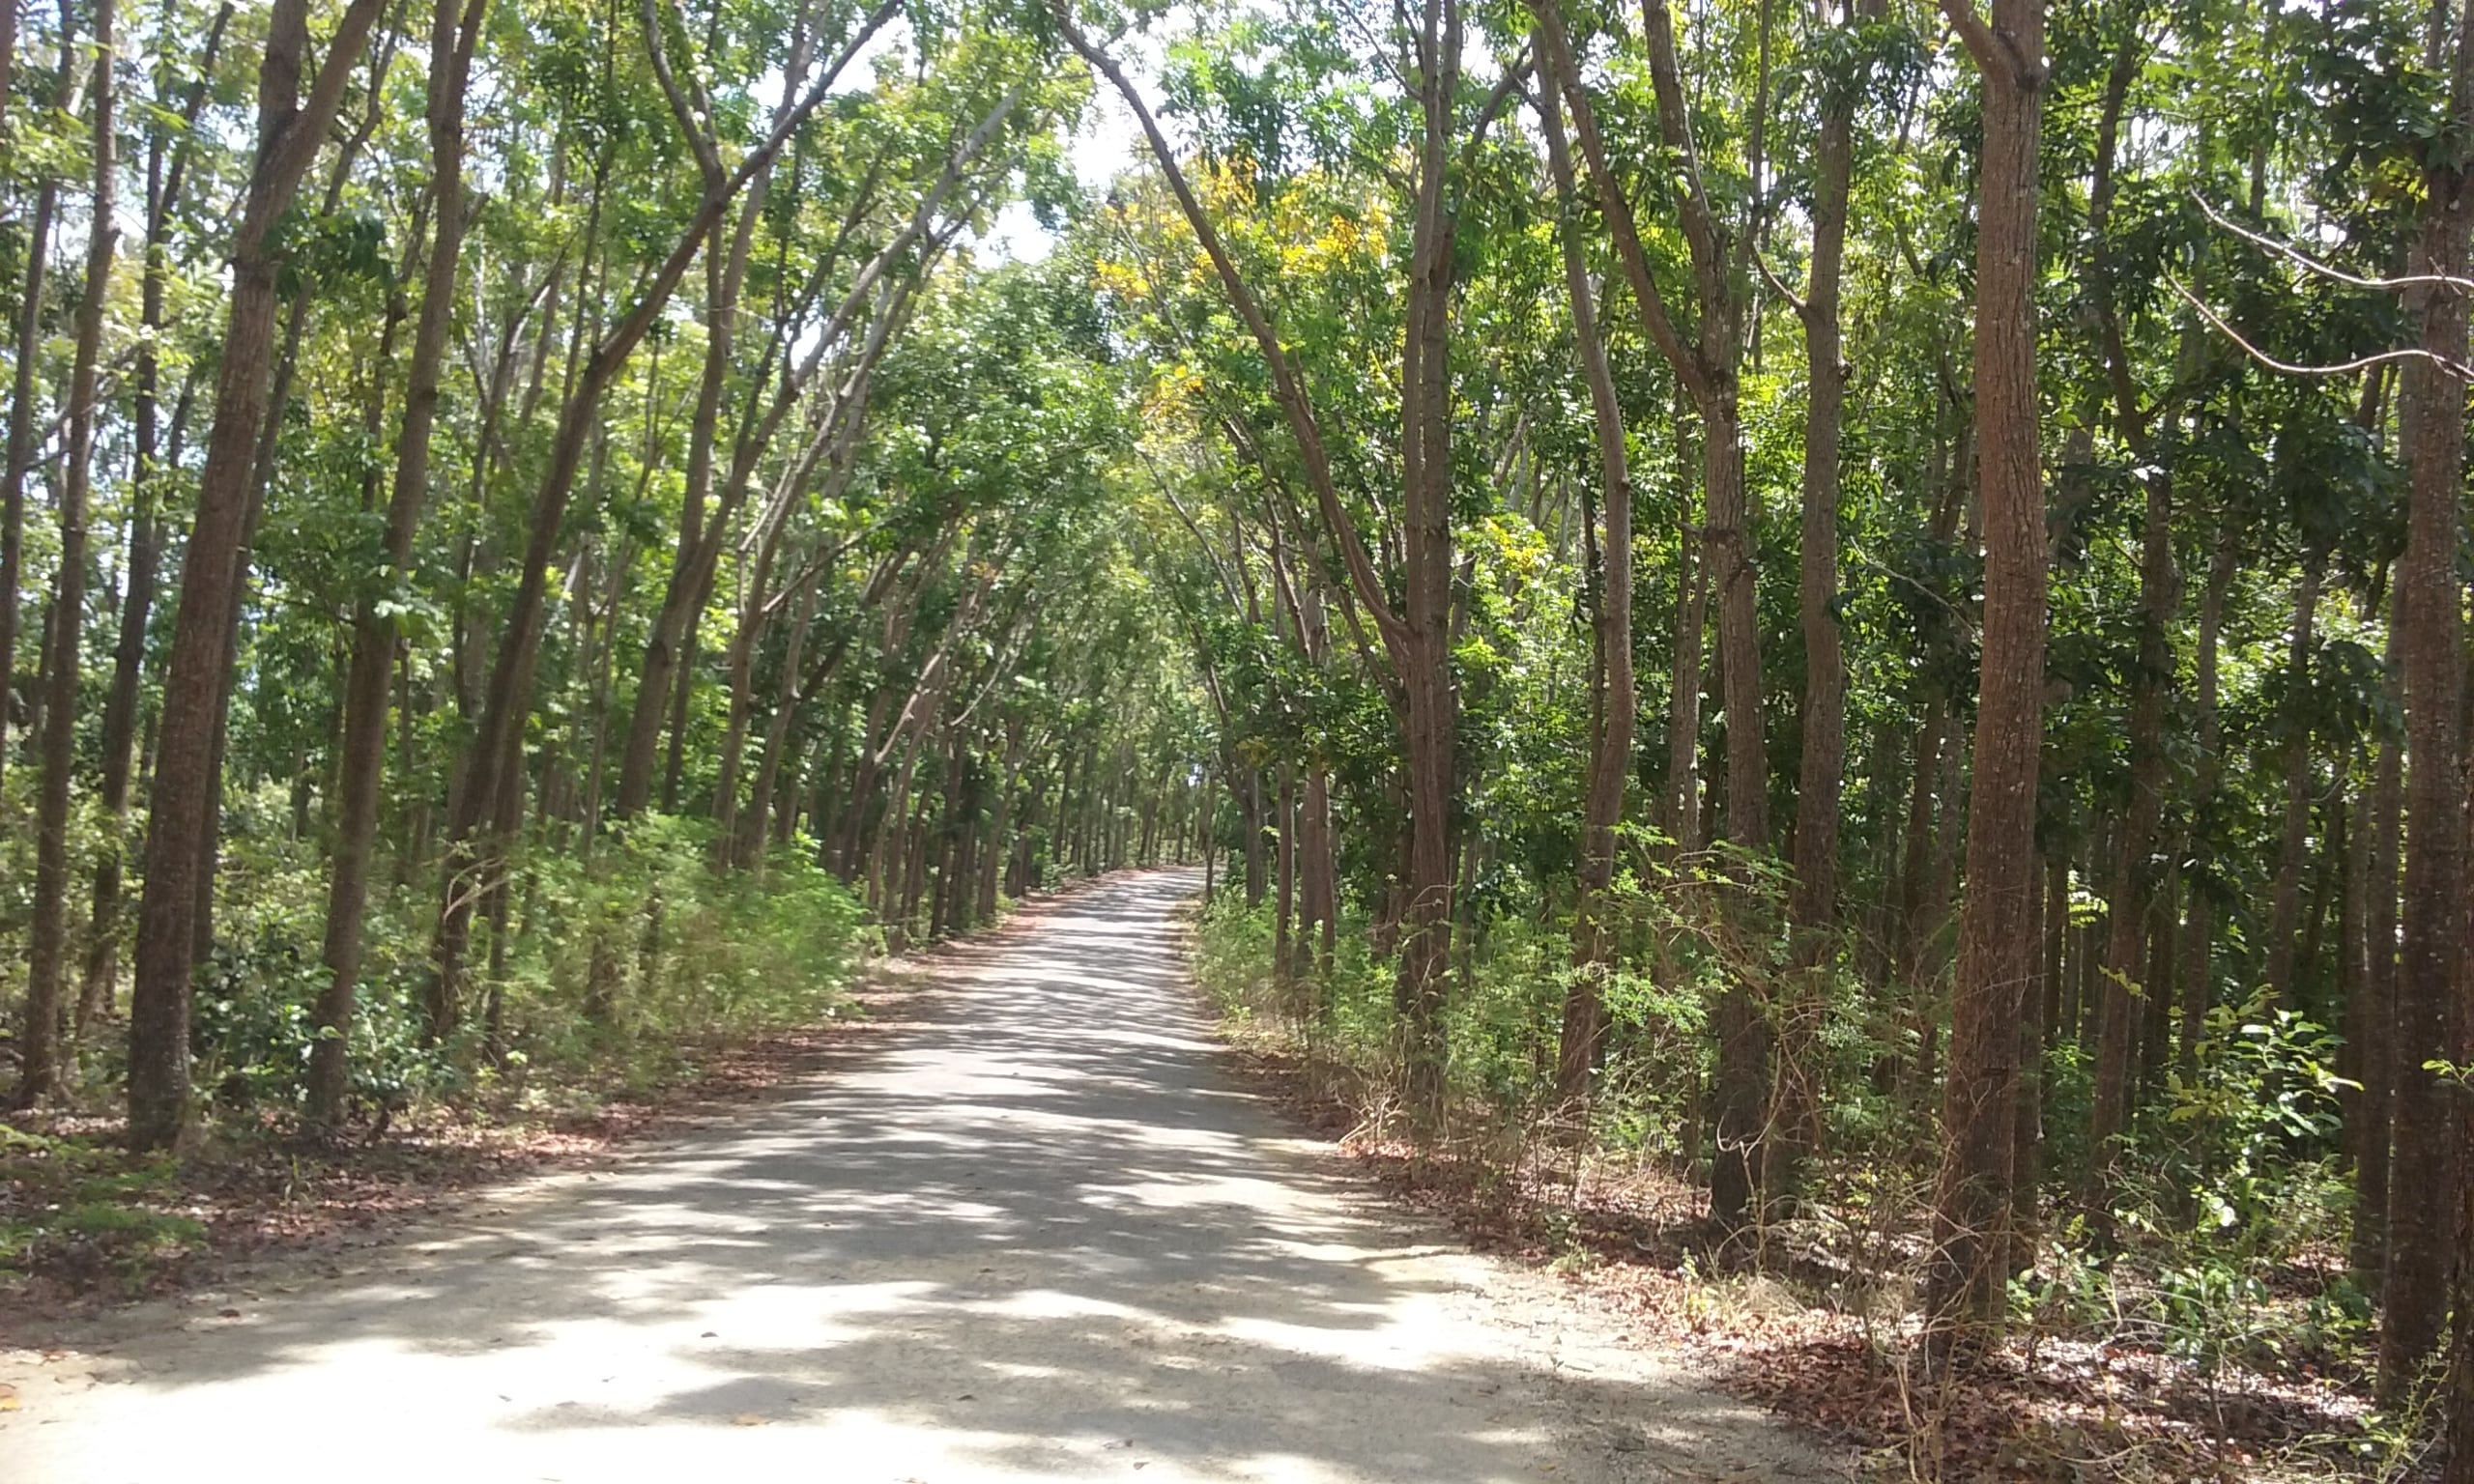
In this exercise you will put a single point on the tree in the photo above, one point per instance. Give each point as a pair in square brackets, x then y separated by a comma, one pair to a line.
[291, 129]
[1971, 1207]
[49, 952]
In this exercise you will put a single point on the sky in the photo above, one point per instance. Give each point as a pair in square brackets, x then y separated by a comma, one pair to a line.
[1106, 141]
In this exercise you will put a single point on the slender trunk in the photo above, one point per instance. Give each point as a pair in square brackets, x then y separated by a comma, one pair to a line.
[1812, 898]
[2197, 957]
[166, 170]
[2285, 917]
[1612, 699]
[49, 952]
[2376, 1029]
[777, 731]
[22, 412]
[1284, 873]
[1257, 877]
[1682, 805]
[454, 31]
[2124, 989]
[2027, 1125]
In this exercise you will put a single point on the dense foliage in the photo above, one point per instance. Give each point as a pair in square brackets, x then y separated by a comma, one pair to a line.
[1864, 603]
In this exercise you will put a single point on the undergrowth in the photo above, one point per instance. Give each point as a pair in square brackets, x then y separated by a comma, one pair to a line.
[615, 974]
[2222, 1337]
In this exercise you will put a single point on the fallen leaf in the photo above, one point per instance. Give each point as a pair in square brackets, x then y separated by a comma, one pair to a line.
[749, 1420]
[9, 1398]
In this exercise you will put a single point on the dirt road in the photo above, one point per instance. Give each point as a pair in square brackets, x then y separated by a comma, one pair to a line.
[1041, 1236]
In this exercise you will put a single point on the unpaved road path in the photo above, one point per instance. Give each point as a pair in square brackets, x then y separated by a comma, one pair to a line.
[1040, 1236]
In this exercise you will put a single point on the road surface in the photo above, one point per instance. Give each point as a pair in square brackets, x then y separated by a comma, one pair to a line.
[1041, 1234]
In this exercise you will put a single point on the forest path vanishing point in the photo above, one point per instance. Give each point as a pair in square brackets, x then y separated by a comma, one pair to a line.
[1042, 1235]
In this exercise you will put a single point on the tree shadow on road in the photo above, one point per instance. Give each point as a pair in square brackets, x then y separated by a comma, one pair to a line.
[1040, 1234]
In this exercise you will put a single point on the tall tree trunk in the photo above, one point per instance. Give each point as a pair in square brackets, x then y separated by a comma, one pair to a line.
[290, 132]
[1812, 898]
[1612, 699]
[1969, 1260]
[454, 31]
[777, 729]
[1284, 873]
[166, 172]
[2195, 961]
[2124, 989]
[2377, 1029]
[48, 953]
[2415, 1284]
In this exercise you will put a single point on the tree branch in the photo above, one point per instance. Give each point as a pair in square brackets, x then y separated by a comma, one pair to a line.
[2454, 368]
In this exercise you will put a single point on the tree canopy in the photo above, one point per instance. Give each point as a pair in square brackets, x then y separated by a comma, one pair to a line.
[1861, 603]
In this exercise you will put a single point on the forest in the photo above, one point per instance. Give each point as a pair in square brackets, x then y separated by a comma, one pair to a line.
[1854, 611]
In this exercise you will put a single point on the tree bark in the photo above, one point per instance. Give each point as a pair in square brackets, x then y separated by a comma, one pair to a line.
[166, 172]
[2376, 1030]
[1812, 898]
[454, 31]
[48, 949]
[290, 131]
[2415, 1283]
[22, 410]
[2284, 918]
[1612, 699]
[1969, 1262]
[2124, 989]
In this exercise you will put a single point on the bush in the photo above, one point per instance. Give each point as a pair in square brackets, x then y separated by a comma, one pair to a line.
[623, 965]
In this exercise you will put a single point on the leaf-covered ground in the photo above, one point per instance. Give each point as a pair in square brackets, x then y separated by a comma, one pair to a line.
[2047, 1407]
[83, 1224]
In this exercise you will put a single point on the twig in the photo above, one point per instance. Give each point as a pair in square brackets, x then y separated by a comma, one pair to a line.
[2456, 368]
[2296, 255]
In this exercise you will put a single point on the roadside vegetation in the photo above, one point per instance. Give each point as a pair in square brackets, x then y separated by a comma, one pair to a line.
[1819, 651]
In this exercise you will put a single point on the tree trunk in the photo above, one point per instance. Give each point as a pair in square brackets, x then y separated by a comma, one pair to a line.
[2378, 1028]
[2286, 897]
[1612, 699]
[1969, 1260]
[2415, 1284]
[1812, 900]
[22, 410]
[777, 729]
[290, 132]
[166, 171]
[454, 31]
[2123, 990]
[49, 952]
[2195, 961]
[1284, 873]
